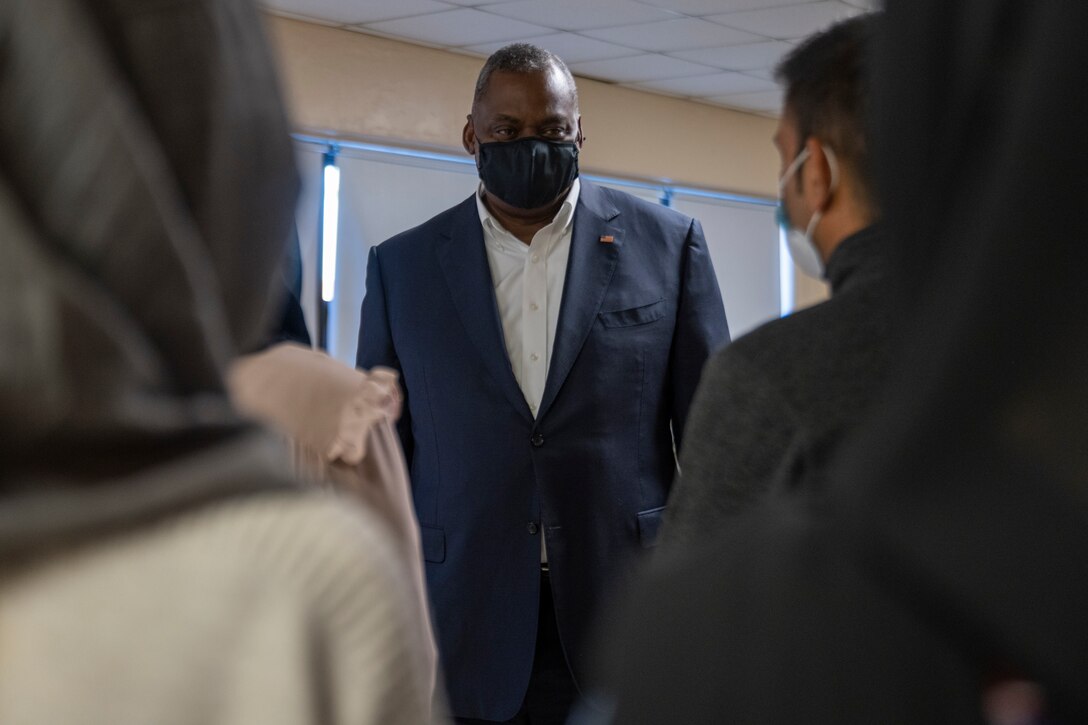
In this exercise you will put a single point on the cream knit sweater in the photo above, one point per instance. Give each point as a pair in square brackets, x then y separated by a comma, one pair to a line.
[274, 608]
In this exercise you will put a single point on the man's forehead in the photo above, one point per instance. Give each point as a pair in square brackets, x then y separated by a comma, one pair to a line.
[786, 131]
[780, 133]
[549, 87]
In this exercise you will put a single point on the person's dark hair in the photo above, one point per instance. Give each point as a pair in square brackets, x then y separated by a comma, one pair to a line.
[521, 58]
[826, 84]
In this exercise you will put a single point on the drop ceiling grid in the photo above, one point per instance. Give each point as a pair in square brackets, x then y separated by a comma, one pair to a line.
[720, 52]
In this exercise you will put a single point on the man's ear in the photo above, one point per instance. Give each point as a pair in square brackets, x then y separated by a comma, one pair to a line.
[468, 136]
[579, 139]
[816, 172]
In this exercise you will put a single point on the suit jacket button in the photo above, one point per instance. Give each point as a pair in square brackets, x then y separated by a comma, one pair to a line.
[537, 440]
[533, 528]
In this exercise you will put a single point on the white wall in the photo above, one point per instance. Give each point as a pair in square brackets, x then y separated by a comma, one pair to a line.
[743, 243]
[383, 194]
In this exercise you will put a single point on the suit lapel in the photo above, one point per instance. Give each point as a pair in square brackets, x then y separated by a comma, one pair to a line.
[463, 259]
[589, 271]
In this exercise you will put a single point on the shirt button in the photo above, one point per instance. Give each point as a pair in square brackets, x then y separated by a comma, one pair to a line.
[537, 440]
[533, 528]
[535, 258]
[534, 357]
[534, 306]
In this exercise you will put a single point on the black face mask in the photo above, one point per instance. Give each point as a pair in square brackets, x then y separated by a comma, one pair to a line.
[528, 173]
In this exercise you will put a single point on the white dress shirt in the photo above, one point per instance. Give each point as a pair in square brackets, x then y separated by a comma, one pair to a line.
[528, 281]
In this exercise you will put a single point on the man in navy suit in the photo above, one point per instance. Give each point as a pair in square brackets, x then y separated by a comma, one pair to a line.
[550, 334]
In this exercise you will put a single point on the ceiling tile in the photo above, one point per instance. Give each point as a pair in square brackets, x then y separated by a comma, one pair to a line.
[568, 46]
[637, 68]
[673, 35]
[464, 26]
[354, 12]
[794, 21]
[766, 74]
[767, 101]
[717, 84]
[714, 7]
[750, 56]
[641, 43]
[579, 14]
[303, 18]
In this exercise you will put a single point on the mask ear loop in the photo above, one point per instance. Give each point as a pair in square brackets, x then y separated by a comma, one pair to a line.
[791, 170]
[833, 166]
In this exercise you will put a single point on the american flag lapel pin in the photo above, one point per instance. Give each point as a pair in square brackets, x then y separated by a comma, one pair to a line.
[606, 239]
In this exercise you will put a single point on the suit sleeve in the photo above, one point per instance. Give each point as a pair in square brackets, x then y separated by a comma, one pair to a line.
[376, 343]
[701, 328]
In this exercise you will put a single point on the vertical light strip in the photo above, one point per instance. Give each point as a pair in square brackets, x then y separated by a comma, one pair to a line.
[330, 219]
[786, 280]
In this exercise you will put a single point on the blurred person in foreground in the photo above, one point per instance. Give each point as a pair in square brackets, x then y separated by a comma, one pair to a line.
[943, 576]
[339, 423]
[157, 563]
[773, 406]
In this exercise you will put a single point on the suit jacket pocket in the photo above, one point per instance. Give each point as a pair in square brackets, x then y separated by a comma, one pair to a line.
[641, 315]
[649, 523]
[434, 544]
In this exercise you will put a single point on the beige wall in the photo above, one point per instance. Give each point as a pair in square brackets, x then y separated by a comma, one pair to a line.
[387, 90]
[341, 83]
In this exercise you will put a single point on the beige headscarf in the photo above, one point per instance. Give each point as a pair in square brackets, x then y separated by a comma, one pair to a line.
[146, 187]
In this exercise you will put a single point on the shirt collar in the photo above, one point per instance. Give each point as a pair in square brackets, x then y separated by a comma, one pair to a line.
[563, 218]
[859, 257]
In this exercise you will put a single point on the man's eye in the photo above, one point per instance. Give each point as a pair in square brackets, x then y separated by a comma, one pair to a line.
[504, 132]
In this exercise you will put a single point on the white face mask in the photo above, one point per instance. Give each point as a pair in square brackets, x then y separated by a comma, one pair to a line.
[800, 243]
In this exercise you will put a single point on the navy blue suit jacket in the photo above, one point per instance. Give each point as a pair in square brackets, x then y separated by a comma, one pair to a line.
[639, 316]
